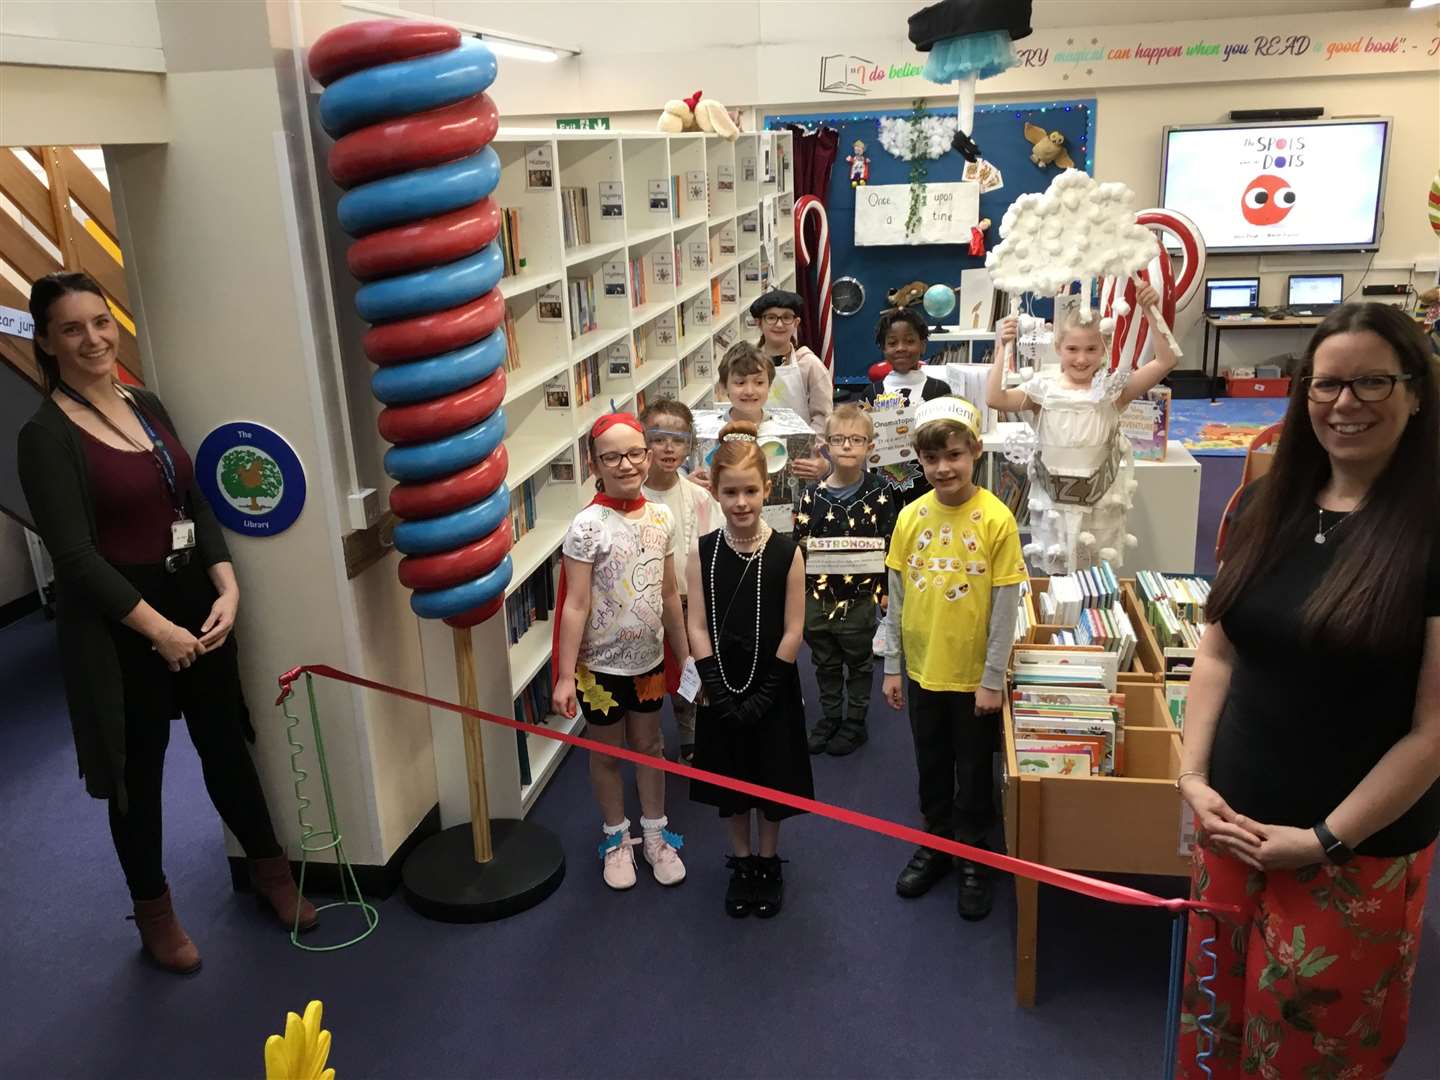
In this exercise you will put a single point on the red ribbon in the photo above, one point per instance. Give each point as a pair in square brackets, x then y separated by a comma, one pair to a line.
[1062, 879]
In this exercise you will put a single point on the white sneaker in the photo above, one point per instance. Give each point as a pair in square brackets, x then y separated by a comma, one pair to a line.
[661, 854]
[617, 852]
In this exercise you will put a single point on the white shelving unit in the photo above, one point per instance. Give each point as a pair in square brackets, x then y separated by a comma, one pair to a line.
[665, 342]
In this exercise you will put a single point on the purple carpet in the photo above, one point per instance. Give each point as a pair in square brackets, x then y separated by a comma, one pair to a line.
[849, 981]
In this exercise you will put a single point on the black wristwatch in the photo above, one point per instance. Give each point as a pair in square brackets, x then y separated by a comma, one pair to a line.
[1335, 849]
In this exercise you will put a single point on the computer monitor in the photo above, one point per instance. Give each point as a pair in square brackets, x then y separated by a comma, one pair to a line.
[1231, 294]
[1307, 290]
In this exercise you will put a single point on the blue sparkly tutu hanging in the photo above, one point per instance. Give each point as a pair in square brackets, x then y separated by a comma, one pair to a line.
[984, 55]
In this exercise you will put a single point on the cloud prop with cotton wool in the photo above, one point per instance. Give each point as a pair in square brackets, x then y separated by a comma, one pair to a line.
[1078, 230]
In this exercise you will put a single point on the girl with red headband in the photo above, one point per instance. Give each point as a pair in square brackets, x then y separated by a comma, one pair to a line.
[619, 605]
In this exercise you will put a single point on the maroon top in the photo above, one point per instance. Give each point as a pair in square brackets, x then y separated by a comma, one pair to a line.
[133, 508]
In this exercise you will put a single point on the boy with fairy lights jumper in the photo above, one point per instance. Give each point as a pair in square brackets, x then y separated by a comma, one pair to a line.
[844, 525]
[955, 571]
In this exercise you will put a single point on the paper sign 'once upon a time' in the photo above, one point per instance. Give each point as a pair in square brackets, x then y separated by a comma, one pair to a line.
[946, 215]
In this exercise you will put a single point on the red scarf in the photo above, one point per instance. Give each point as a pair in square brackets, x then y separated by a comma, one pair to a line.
[624, 506]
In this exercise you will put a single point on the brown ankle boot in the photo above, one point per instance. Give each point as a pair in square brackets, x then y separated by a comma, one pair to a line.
[275, 886]
[163, 938]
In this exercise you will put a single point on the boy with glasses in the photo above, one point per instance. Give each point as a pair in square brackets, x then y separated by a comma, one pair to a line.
[844, 523]
[670, 435]
[801, 382]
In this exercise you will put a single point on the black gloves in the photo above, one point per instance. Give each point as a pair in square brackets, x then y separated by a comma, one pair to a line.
[758, 705]
[716, 694]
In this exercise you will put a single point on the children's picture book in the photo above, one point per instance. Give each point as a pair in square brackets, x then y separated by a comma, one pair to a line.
[1051, 661]
[1146, 423]
[1053, 763]
[894, 422]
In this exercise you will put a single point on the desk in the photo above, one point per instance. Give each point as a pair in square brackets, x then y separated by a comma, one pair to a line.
[1289, 322]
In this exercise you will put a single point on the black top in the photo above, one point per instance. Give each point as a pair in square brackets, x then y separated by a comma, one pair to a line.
[869, 512]
[772, 752]
[1303, 724]
[907, 480]
[91, 595]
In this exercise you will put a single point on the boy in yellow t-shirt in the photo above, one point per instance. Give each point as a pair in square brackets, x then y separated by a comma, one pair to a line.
[955, 570]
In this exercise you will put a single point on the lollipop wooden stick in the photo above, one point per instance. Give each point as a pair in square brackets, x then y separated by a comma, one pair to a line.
[1157, 320]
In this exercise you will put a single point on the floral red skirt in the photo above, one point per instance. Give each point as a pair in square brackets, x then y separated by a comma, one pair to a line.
[1314, 973]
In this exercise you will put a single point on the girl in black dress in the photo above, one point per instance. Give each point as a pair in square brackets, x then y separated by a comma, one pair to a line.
[746, 622]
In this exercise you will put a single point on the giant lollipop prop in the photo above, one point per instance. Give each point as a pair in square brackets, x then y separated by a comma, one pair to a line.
[406, 103]
[1131, 345]
[969, 40]
[805, 206]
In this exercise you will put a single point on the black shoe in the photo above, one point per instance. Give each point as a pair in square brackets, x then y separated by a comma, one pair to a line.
[740, 895]
[847, 740]
[924, 869]
[821, 734]
[769, 885]
[977, 891]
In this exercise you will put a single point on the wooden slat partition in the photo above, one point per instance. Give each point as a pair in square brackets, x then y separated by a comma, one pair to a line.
[86, 189]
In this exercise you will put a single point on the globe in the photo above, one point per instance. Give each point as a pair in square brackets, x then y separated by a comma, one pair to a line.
[939, 301]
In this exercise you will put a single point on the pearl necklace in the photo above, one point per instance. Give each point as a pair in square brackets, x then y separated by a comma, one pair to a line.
[757, 558]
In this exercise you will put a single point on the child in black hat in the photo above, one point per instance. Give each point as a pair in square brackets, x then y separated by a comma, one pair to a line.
[801, 382]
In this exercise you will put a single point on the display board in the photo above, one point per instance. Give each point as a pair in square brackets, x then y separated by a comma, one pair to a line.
[1000, 132]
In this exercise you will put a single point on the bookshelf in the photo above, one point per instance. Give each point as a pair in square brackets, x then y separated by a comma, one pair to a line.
[627, 286]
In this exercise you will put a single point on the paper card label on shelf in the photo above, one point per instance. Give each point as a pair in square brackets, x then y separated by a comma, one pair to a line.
[659, 196]
[699, 254]
[747, 170]
[664, 266]
[618, 358]
[726, 239]
[703, 312]
[704, 367]
[751, 271]
[725, 336]
[557, 393]
[612, 199]
[539, 167]
[562, 468]
[689, 680]
[725, 178]
[613, 275]
[695, 184]
[549, 303]
[729, 289]
[665, 328]
[845, 555]
[750, 223]
[667, 386]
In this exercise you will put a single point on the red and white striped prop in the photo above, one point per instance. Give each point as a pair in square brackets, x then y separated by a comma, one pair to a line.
[1131, 344]
[805, 205]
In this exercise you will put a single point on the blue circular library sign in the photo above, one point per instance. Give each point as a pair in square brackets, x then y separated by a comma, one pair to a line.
[253, 479]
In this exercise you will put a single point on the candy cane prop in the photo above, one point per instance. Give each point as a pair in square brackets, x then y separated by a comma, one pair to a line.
[1130, 347]
[407, 106]
[804, 206]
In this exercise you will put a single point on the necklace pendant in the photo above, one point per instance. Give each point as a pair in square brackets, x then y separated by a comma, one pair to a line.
[1319, 538]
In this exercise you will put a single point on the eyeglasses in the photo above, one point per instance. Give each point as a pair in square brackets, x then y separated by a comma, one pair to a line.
[635, 455]
[842, 441]
[786, 318]
[1369, 388]
[670, 440]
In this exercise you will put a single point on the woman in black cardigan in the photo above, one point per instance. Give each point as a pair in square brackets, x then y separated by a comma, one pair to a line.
[145, 601]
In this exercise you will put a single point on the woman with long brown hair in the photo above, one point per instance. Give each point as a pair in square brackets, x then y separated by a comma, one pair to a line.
[1312, 731]
[146, 599]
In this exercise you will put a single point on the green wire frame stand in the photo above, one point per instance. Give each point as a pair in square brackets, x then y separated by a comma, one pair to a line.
[313, 841]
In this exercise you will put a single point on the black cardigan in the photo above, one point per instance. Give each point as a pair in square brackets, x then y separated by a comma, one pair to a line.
[90, 593]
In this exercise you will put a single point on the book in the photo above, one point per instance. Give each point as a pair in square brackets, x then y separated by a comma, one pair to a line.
[575, 216]
[512, 259]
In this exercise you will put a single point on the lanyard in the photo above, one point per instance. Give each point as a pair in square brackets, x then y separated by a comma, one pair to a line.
[158, 450]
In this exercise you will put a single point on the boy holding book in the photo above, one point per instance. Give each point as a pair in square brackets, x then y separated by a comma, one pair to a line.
[844, 524]
[955, 570]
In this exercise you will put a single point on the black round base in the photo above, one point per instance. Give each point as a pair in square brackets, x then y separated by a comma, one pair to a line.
[444, 882]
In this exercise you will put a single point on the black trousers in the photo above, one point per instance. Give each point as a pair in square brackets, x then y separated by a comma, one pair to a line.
[208, 695]
[954, 755]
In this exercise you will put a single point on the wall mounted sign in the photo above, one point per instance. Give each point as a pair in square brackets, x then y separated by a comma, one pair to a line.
[252, 477]
[947, 211]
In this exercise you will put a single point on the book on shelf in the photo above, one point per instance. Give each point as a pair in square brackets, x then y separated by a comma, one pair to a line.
[512, 341]
[639, 293]
[642, 347]
[575, 216]
[522, 509]
[532, 601]
[584, 315]
[640, 398]
[677, 202]
[1085, 720]
[531, 707]
[1107, 627]
[1146, 423]
[513, 260]
[587, 378]
[679, 265]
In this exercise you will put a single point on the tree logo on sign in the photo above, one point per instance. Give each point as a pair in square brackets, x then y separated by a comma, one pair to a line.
[247, 476]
